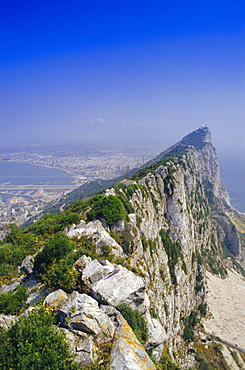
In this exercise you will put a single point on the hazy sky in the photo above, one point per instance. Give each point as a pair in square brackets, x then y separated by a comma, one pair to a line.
[129, 72]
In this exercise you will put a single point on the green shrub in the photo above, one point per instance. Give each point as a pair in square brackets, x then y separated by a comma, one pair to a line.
[125, 236]
[144, 243]
[203, 308]
[33, 343]
[153, 313]
[51, 224]
[110, 208]
[61, 276]
[14, 301]
[136, 321]
[190, 322]
[56, 248]
[173, 251]
[166, 364]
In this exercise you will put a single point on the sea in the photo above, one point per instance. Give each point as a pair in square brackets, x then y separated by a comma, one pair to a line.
[232, 173]
[14, 173]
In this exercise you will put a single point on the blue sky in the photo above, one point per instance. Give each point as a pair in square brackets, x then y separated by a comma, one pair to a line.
[122, 72]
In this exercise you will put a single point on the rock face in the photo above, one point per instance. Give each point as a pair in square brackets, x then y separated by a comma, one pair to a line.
[6, 321]
[96, 270]
[120, 286]
[81, 312]
[82, 346]
[127, 353]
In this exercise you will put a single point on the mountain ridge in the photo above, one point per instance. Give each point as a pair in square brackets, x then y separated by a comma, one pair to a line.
[133, 259]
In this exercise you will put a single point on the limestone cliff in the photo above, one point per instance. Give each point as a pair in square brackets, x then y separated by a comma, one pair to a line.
[141, 283]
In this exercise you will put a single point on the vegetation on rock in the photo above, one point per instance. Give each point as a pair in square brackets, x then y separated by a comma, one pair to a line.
[33, 343]
[136, 321]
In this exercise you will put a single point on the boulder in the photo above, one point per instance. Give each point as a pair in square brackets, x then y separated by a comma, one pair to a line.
[118, 226]
[96, 270]
[127, 352]
[29, 310]
[39, 292]
[81, 312]
[110, 191]
[81, 346]
[157, 334]
[30, 283]
[81, 263]
[27, 265]
[55, 299]
[6, 321]
[5, 288]
[120, 286]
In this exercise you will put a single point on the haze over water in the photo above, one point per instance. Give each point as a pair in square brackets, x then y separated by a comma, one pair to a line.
[232, 171]
[27, 174]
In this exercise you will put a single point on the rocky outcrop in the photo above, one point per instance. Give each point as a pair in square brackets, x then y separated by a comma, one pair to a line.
[27, 265]
[5, 288]
[6, 320]
[55, 299]
[95, 231]
[96, 270]
[82, 346]
[81, 312]
[120, 286]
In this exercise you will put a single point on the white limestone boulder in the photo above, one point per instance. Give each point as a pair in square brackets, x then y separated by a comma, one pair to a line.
[157, 336]
[6, 321]
[81, 263]
[81, 312]
[27, 265]
[37, 292]
[5, 288]
[55, 299]
[81, 345]
[96, 270]
[120, 286]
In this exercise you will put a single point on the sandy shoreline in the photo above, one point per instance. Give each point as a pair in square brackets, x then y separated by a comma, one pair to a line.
[226, 301]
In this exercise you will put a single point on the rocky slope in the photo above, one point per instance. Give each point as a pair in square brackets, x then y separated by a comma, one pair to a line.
[175, 222]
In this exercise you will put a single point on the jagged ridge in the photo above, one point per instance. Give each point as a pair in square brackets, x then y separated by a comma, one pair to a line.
[170, 234]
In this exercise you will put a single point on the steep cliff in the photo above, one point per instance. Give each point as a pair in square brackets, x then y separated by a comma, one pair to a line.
[128, 278]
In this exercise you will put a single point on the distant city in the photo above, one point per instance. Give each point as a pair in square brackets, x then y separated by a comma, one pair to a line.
[19, 202]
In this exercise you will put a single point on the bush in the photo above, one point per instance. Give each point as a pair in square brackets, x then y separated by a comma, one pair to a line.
[12, 302]
[136, 321]
[174, 252]
[110, 208]
[33, 343]
[62, 276]
[203, 308]
[151, 168]
[51, 224]
[190, 323]
[125, 237]
[56, 248]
